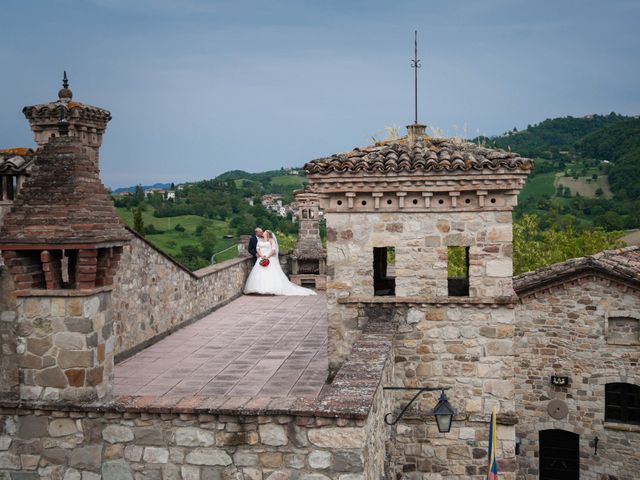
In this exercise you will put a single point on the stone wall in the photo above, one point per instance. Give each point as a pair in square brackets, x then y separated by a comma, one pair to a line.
[154, 295]
[563, 331]
[64, 345]
[468, 348]
[338, 436]
[9, 385]
[420, 243]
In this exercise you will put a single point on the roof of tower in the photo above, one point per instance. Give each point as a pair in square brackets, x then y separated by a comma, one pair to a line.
[426, 154]
[75, 112]
[62, 202]
[15, 161]
[623, 263]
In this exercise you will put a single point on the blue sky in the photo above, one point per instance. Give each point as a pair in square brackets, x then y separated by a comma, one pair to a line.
[200, 87]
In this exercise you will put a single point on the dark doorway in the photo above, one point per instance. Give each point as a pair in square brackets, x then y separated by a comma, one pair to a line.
[559, 455]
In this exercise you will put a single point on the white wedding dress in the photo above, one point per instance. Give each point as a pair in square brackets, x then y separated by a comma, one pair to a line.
[271, 280]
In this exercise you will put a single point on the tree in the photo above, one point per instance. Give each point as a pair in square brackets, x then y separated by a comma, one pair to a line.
[138, 224]
[535, 248]
[138, 195]
[599, 192]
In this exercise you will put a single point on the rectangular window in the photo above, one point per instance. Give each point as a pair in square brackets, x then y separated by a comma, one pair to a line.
[622, 403]
[458, 271]
[384, 280]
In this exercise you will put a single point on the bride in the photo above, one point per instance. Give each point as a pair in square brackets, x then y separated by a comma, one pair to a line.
[267, 276]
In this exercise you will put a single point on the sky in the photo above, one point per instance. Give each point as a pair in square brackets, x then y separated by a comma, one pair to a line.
[200, 87]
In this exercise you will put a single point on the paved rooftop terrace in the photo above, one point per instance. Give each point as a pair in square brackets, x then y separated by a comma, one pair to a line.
[255, 346]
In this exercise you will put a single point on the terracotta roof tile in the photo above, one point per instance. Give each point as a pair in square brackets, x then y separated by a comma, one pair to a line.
[623, 263]
[14, 161]
[426, 154]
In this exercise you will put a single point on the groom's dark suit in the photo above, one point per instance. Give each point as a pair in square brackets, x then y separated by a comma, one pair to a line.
[253, 248]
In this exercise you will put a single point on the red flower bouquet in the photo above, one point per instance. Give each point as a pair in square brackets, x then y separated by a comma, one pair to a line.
[264, 262]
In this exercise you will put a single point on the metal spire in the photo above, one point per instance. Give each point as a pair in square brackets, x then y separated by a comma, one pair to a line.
[415, 64]
[65, 81]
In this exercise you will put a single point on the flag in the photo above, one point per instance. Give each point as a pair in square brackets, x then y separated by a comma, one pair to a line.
[492, 471]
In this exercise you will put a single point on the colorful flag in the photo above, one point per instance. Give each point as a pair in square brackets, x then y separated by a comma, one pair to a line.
[492, 472]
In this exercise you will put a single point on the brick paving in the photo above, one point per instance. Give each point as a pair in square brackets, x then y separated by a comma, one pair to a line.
[255, 346]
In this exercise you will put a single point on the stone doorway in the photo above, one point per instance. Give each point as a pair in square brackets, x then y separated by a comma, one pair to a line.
[559, 455]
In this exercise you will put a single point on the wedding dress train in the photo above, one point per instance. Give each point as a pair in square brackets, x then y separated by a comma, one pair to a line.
[271, 280]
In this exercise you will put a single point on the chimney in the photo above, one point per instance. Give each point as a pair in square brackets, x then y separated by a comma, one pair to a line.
[416, 132]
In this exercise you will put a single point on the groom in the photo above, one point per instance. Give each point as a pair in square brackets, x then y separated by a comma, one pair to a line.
[253, 244]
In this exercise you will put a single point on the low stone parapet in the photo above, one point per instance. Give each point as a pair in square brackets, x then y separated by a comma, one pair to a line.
[155, 295]
[340, 435]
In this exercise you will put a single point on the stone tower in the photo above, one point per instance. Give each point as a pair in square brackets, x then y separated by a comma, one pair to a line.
[419, 235]
[61, 243]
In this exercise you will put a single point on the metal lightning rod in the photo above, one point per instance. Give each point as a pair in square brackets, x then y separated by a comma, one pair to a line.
[415, 64]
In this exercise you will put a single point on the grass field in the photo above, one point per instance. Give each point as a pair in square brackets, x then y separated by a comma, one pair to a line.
[287, 180]
[171, 241]
[586, 186]
[538, 186]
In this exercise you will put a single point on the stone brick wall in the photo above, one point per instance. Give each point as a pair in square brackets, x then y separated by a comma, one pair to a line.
[38, 444]
[8, 361]
[154, 295]
[338, 436]
[63, 345]
[468, 348]
[563, 331]
[420, 243]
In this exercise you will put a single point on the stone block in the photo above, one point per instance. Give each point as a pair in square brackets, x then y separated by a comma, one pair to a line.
[75, 377]
[5, 442]
[29, 462]
[72, 474]
[90, 476]
[273, 435]
[9, 461]
[148, 436]
[319, 459]
[190, 473]
[271, 459]
[171, 472]
[499, 388]
[116, 470]
[39, 346]
[86, 458]
[133, 453]
[70, 340]
[208, 456]
[117, 434]
[95, 376]
[244, 458]
[74, 307]
[112, 452]
[61, 427]
[499, 268]
[338, 437]
[156, 455]
[79, 325]
[75, 358]
[351, 476]
[31, 426]
[344, 461]
[194, 437]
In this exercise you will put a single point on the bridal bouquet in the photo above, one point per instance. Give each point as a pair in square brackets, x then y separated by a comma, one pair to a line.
[264, 262]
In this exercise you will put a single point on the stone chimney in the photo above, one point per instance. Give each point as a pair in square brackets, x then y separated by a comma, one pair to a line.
[61, 243]
[416, 132]
[308, 262]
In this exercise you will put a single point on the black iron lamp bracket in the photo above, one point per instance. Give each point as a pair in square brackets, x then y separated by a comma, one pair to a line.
[419, 391]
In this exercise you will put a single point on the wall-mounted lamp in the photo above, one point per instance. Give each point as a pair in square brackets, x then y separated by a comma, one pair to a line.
[443, 411]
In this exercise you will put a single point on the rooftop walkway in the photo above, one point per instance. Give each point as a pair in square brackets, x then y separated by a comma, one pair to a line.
[256, 346]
